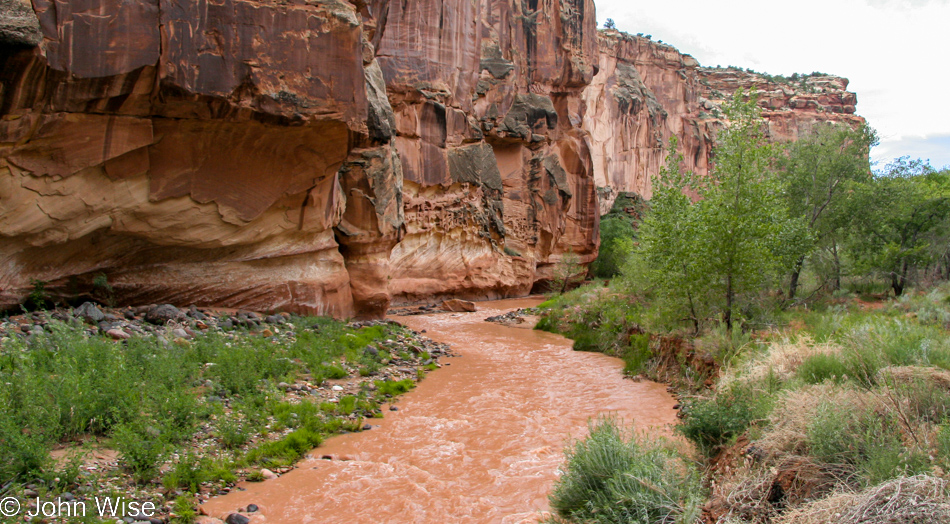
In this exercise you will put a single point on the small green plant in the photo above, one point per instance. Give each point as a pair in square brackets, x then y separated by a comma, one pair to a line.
[256, 476]
[184, 508]
[393, 388]
[287, 450]
[821, 367]
[102, 288]
[233, 433]
[39, 296]
[142, 450]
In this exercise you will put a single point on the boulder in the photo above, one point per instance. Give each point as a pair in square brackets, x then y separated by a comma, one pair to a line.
[89, 313]
[163, 313]
[457, 305]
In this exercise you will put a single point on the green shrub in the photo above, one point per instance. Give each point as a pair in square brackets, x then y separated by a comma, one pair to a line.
[392, 388]
[818, 368]
[868, 441]
[233, 433]
[616, 244]
[141, 450]
[22, 452]
[637, 354]
[287, 450]
[39, 296]
[190, 471]
[611, 477]
[711, 423]
[184, 507]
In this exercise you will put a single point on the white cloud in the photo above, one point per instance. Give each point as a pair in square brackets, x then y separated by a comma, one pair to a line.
[891, 50]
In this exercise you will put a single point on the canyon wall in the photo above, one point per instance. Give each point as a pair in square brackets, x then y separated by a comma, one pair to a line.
[333, 157]
[646, 92]
[318, 157]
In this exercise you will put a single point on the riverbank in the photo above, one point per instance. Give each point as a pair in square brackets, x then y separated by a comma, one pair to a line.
[168, 407]
[836, 412]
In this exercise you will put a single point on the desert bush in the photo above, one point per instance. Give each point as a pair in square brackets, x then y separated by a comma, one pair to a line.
[711, 423]
[615, 477]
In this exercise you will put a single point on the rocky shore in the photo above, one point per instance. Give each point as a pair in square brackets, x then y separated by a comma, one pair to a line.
[350, 398]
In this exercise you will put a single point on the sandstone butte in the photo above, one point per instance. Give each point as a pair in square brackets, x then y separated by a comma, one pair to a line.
[332, 157]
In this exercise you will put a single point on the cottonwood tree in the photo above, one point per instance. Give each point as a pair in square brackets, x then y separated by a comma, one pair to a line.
[713, 244]
[897, 215]
[819, 171]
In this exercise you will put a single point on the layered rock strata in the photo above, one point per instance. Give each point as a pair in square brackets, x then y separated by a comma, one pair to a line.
[316, 157]
[646, 92]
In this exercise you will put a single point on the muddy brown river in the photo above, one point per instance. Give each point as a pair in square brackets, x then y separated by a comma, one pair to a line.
[477, 441]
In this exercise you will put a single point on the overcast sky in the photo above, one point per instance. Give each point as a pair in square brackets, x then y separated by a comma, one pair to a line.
[895, 52]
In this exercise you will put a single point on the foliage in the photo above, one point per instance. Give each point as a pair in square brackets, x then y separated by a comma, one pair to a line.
[898, 216]
[66, 385]
[711, 423]
[102, 288]
[617, 234]
[39, 296]
[142, 449]
[819, 172]
[614, 477]
[710, 254]
[567, 272]
[610, 24]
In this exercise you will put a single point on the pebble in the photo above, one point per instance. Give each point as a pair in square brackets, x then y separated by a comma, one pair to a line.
[252, 508]
[236, 518]
[337, 388]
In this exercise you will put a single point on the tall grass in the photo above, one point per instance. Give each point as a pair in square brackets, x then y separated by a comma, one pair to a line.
[614, 477]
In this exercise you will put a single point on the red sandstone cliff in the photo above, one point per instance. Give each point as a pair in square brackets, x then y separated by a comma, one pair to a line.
[331, 157]
[312, 156]
[645, 92]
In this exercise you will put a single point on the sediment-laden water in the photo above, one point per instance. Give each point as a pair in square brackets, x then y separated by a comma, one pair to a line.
[478, 441]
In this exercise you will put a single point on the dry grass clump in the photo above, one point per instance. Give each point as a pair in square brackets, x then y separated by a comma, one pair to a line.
[797, 410]
[909, 375]
[781, 360]
[921, 499]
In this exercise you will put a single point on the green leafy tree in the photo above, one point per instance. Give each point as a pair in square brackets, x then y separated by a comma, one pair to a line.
[819, 171]
[716, 249]
[567, 271]
[616, 243]
[897, 215]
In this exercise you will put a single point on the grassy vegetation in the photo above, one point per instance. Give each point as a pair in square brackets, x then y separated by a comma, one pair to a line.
[614, 476]
[842, 396]
[150, 399]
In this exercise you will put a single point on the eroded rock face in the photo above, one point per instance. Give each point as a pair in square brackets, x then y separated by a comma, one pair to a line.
[646, 92]
[498, 180]
[311, 156]
[191, 155]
